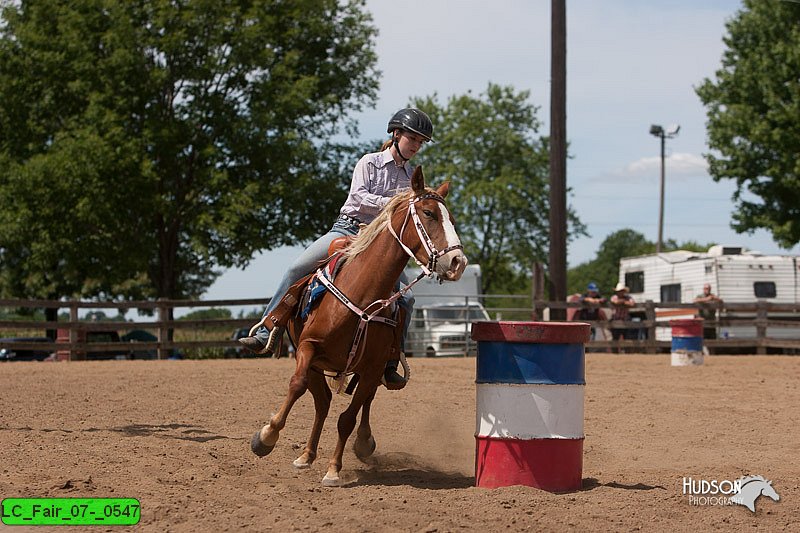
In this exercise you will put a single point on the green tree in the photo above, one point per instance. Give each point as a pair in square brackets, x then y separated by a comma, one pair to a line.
[604, 268]
[143, 145]
[208, 314]
[753, 110]
[489, 146]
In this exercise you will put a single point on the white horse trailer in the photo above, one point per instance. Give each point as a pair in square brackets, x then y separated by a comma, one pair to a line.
[736, 275]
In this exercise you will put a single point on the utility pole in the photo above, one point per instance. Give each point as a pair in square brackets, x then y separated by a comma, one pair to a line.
[558, 157]
[660, 242]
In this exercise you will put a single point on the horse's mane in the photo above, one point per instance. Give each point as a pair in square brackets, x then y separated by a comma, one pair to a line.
[367, 235]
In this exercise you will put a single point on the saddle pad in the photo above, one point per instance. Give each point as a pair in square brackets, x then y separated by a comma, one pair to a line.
[316, 289]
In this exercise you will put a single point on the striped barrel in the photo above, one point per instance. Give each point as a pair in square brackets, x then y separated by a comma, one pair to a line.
[529, 420]
[687, 341]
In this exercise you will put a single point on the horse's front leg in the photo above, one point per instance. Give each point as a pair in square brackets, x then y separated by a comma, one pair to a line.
[322, 403]
[264, 440]
[364, 445]
[347, 422]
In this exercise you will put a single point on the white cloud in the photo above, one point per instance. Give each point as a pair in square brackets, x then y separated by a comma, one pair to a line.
[679, 166]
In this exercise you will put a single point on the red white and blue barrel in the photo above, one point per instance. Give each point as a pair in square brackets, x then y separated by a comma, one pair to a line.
[687, 341]
[529, 394]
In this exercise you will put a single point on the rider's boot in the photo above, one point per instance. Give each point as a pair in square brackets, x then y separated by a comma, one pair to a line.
[270, 329]
[391, 378]
[260, 345]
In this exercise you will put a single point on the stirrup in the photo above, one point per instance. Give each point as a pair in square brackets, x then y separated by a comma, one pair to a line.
[406, 375]
[275, 334]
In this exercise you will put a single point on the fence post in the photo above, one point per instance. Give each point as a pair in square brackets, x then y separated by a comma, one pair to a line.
[761, 327]
[650, 316]
[537, 288]
[73, 330]
[467, 325]
[163, 331]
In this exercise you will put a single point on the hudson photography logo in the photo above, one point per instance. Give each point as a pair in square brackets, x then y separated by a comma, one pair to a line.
[743, 491]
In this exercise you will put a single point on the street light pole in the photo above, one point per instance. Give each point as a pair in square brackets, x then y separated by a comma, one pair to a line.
[661, 201]
[659, 132]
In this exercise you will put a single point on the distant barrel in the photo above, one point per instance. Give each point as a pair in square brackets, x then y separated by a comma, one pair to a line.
[529, 404]
[687, 341]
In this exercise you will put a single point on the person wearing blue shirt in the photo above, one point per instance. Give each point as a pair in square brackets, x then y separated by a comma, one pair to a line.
[592, 312]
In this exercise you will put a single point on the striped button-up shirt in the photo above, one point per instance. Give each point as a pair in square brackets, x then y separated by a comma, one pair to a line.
[376, 179]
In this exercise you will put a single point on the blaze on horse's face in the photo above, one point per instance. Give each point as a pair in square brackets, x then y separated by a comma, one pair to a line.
[441, 229]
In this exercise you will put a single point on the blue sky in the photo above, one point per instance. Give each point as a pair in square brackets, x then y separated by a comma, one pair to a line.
[630, 64]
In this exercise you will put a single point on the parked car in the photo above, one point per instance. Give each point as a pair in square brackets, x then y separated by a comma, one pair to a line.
[92, 336]
[106, 336]
[233, 352]
[140, 335]
[287, 350]
[444, 313]
[18, 354]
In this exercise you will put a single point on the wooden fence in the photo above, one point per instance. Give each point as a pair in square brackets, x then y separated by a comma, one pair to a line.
[776, 327]
[71, 346]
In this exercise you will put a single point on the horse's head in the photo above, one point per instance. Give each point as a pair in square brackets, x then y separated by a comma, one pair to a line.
[432, 237]
[754, 486]
[768, 490]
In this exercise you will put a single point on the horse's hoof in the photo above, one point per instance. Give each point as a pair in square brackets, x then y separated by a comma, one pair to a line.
[258, 447]
[301, 464]
[331, 481]
[364, 448]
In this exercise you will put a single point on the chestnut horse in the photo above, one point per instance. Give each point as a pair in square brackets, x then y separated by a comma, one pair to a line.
[415, 223]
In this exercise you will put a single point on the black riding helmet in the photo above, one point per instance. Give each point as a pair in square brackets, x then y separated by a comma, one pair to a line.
[413, 120]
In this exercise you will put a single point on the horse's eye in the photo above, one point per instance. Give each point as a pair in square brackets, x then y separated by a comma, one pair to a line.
[427, 213]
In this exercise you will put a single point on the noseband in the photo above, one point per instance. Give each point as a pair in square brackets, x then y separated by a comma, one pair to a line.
[427, 243]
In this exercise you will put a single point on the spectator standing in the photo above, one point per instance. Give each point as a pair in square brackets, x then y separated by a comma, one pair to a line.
[621, 304]
[709, 302]
[592, 311]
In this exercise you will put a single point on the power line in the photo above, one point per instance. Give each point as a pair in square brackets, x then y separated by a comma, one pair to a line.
[679, 198]
[638, 224]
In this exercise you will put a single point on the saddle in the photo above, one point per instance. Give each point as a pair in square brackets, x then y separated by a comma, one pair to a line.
[339, 244]
[288, 306]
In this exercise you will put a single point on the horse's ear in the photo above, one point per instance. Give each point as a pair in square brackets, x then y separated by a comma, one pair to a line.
[443, 189]
[418, 181]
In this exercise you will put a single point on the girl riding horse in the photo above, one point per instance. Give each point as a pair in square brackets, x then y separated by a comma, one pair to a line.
[376, 179]
[339, 336]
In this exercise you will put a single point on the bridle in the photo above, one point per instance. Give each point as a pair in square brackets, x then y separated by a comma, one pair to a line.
[427, 242]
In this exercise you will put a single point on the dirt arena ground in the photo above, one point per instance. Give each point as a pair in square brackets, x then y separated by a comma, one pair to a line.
[175, 435]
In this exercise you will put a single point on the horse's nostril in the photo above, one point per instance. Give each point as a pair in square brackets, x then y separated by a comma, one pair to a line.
[457, 266]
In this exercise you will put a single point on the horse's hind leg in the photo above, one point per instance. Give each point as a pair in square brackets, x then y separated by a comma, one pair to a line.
[264, 440]
[364, 445]
[347, 422]
[322, 403]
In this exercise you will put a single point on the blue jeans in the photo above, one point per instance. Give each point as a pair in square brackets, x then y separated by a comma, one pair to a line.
[308, 261]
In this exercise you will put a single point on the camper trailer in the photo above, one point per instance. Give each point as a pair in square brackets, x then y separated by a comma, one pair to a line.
[736, 275]
[444, 313]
